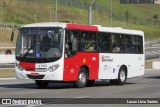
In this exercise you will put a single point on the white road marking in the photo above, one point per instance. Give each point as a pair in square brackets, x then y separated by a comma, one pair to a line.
[8, 78]
[83, 97]
[26, 93]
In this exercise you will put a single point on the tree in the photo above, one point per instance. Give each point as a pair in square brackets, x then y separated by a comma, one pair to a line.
[127, 16]
[155, 17]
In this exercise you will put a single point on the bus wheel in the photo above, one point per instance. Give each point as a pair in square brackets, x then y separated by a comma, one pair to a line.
[41, 83]
[122, 76]
[82, 79]
[90, 83]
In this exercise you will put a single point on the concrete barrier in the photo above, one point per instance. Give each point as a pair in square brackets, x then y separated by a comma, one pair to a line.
[156, 65]
[7, 58]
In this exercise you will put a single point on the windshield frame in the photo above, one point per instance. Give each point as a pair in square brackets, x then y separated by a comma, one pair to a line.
[45, 59]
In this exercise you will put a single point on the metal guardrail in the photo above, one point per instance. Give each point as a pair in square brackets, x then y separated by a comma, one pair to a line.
[148, 57]
[9, 25]
[155, 53]
[151, 43]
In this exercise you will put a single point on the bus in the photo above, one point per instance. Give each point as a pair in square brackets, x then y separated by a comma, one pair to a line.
[69, 52]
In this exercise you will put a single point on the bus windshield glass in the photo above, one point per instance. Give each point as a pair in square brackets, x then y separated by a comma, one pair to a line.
[39, 43]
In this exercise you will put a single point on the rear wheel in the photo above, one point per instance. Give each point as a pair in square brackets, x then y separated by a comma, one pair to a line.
[82, 79]
[122, 76]
[41, 83]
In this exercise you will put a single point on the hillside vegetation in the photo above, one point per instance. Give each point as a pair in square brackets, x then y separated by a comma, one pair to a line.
[144, 17]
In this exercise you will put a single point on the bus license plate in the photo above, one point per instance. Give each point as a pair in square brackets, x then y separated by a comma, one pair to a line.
[41, 66]
[34, 74]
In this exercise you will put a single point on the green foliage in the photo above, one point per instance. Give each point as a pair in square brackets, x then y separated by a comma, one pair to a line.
[130, 16]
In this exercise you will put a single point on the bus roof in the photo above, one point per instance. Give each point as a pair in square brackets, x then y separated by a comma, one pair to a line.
[47, 24]
[86, 27]
[120, 30]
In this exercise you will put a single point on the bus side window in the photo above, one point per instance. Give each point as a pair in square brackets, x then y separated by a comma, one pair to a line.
[130, 44]
[71, 43]
[117, 43]
[88, 41]
[139, 44]
[83, 41]
[90, 45]
[104, 40]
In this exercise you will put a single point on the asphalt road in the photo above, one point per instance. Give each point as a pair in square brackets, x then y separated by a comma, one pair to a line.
[147, 86]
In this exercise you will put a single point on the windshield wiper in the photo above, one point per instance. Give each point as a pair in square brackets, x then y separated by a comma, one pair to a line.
[27, 52]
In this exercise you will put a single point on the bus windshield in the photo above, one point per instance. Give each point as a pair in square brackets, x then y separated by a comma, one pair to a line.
[38, 43]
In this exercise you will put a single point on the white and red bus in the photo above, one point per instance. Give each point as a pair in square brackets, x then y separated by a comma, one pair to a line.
[77, 53]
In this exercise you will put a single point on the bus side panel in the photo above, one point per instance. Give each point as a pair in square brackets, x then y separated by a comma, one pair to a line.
[73, 64]
[108, 67]
[111, 63]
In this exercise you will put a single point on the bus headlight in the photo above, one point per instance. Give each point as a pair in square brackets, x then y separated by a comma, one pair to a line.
[53, 68]
[19, 67]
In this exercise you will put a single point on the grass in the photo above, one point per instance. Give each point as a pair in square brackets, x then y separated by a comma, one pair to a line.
[16, 11]
[148, 64]
[5, 35]
[7, 73]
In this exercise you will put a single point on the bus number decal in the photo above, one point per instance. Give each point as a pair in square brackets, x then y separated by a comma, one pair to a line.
[42, 65]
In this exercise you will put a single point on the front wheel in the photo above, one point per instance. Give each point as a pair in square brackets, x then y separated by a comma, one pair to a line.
[82, 79]
[41, 83]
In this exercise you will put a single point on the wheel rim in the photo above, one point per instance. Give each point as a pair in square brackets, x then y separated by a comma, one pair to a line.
[122, 76]
[82, 78]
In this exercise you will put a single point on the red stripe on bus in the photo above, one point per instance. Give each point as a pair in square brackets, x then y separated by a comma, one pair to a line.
[27, 66]
[82, 27]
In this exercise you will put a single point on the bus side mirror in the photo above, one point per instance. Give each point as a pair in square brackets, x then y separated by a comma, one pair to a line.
[12, 35]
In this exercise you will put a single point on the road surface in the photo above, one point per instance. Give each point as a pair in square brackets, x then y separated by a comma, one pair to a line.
[147, 86]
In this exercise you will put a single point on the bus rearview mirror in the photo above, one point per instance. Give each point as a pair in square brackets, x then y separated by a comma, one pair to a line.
[12, 35]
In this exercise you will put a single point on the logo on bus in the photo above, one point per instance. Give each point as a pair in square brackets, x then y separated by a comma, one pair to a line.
[106, 59]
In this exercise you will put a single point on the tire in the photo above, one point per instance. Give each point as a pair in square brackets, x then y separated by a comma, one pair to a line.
[82, 79]
[41, 83]
[90, 83]
[122, 76]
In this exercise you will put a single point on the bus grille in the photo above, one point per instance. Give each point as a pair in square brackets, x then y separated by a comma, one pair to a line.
[41, 69]
[35, 77]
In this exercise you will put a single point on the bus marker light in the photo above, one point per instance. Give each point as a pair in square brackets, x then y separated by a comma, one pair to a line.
[84, 60]
[72, 70]
[19, 67]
